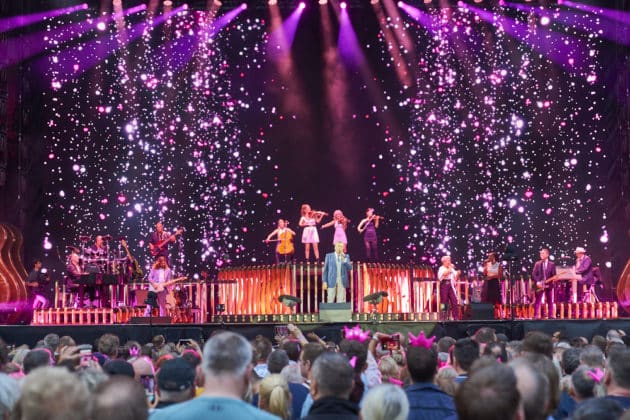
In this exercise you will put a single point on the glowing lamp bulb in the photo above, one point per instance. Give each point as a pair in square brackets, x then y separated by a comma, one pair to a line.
[400, 4]
[244, 6]
[343, 5]
[302, 5]
[101, 26]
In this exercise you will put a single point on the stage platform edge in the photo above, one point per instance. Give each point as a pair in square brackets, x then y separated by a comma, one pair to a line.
[513, 329]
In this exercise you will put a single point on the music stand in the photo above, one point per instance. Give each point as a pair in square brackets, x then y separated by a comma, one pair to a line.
[152, 301]
[374, 299]
[510, 255]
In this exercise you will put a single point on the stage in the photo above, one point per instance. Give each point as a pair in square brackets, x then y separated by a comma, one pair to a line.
[515, 330]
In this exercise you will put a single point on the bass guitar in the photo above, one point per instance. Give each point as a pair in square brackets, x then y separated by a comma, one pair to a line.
[160, 287]
[155, 249]
[136, 270]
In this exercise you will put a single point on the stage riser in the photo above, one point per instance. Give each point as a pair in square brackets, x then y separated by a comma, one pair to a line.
[98, 316]
[602, 310]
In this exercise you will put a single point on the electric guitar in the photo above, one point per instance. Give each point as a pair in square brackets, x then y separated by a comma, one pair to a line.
[160, 287]
[542, 285]
[137, 272]
[156, 248]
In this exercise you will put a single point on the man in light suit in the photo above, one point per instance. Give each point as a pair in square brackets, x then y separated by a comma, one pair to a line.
[543, 269]
[335, 276]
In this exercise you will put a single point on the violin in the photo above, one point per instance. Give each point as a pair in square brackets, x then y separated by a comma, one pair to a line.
[317, 213]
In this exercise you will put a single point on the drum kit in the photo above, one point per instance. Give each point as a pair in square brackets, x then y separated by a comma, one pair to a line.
[100, 258]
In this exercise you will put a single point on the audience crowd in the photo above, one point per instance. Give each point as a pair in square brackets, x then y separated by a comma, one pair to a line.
[372, 376]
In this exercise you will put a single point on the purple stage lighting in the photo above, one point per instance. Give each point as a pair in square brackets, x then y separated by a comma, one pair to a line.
[419, 16]
[582, 21]
[348, 44]
[567, 52]
[73, 62]
[281, 39]
[618, 15]
[11, 23]
[15, 50]
[343, 5]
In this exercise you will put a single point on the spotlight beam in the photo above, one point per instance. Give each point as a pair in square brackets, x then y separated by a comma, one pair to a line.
[572, 60]
[72, 62]
[16, 50]
[8, 24]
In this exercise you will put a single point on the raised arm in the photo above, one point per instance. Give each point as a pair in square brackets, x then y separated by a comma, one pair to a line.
[275, 232]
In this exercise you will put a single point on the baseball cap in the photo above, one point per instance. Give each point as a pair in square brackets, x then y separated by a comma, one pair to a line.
[175, 375]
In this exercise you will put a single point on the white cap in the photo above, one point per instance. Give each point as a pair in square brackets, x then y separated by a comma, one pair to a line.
[580, 250]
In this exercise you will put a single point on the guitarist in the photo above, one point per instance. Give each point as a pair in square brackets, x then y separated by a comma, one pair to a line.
[160, 273]
[159, 242]
[543, 269]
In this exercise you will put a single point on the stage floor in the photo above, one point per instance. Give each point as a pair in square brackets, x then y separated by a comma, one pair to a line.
[17, 335]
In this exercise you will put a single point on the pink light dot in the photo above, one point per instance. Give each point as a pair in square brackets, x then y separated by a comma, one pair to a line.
[122, 199]
[51, 156]
[529, 194]
[548, 211]
[101, 216]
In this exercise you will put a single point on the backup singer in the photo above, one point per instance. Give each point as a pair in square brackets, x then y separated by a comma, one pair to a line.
[310, 236]
[337, 265]
[160, 273]
[368, 227]
[543, 270]
[492, 272]
[340, 223]
[447, 276]
[284, 238]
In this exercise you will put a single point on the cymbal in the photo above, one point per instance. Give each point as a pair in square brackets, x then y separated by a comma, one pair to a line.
[84, 238]
[107, 237]
[72, 247]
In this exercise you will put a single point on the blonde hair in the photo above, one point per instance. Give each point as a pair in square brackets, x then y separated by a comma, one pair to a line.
[445, 379]
[385, 402]
[305, 209]
[388, 368]
[274, 396]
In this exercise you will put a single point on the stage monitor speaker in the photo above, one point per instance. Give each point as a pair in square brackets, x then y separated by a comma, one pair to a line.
[146, 320]
[335, 312]
[480, 311]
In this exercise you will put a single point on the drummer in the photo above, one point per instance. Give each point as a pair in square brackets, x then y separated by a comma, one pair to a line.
[98, 251]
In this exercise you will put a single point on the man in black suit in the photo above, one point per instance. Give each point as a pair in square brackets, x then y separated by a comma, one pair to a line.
[543, 270]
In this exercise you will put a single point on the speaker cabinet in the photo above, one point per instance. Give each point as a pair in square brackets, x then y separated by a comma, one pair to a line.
[480, 311]
[335, 312]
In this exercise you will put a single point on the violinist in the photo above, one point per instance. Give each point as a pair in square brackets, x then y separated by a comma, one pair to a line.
[340, 222]
[368, 227]
[284, 238]
[309, 220]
